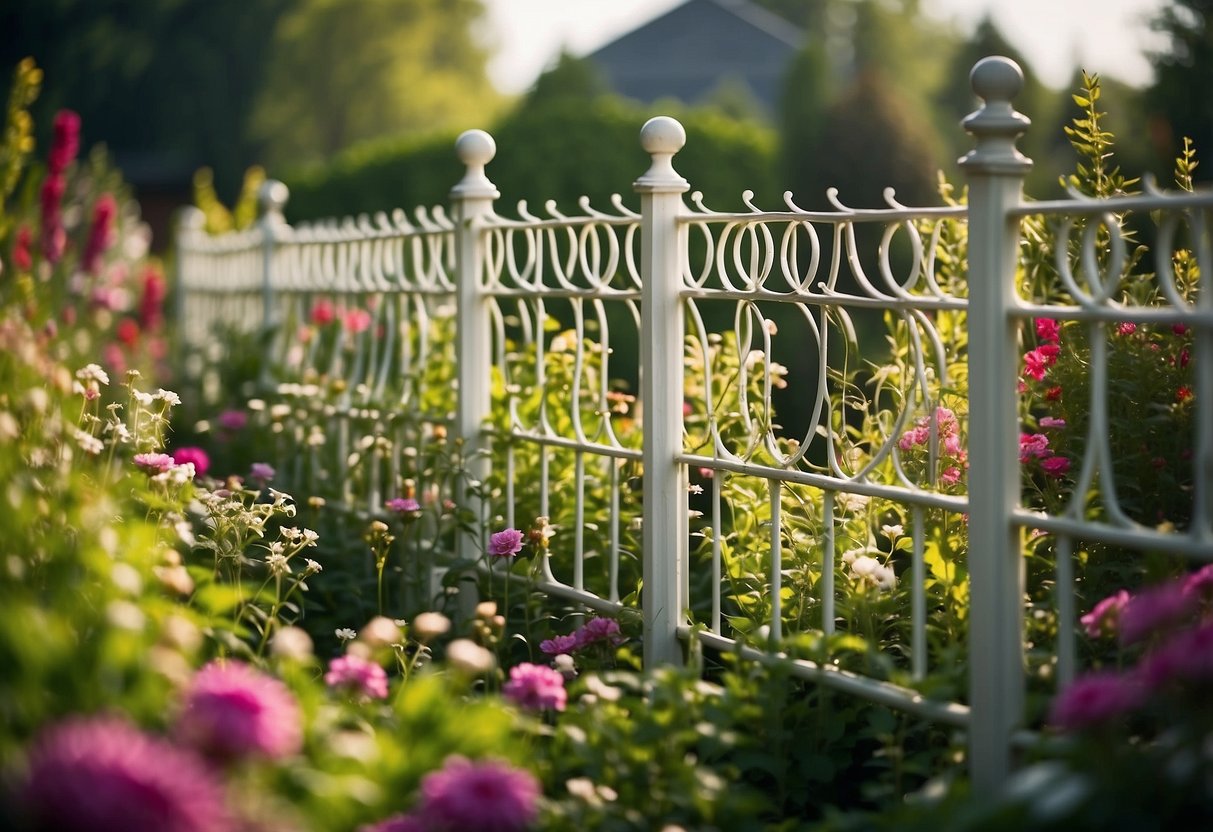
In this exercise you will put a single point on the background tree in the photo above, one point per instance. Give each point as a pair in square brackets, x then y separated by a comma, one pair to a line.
[1179, 100]
[344, 71]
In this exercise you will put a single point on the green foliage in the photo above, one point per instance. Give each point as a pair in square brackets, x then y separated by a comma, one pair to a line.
[1176, 99]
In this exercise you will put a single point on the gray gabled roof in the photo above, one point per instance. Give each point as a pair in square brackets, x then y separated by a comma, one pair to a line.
[696, 47]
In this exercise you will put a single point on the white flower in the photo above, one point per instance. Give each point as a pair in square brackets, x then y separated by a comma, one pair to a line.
[92, 372]
[380, 631]
[893, 531]
[869, 570]
[428, 625]
[89, 443]
[346, 634]
[851, 502]
[142, 398]
[167, 396]
[278, 565]
[292, 643]
[312, 566]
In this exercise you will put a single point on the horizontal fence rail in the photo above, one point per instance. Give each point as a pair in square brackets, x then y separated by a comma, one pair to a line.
[697, 400]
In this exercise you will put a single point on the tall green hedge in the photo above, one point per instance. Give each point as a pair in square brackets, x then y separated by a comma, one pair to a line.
[558, 149]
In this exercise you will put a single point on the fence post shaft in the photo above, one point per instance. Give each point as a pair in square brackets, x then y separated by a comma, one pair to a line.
[191, 225]
[272, 197]
[471, 199]
[995, 171]
[664, 530]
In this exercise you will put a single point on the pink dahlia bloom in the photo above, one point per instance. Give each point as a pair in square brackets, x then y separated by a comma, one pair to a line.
[357, 675]
[487, 796]
[1095, 699]
[1048, 330]
[535, 687]
[396, 823]
[505, 543]
[102, 774]
[232, 710]
[197, 456]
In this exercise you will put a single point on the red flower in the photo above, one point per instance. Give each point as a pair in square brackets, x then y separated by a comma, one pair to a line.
[22, 257]
[127, 332]
[66, 142]
[152, 300]
[1183, 394]
[101, 235]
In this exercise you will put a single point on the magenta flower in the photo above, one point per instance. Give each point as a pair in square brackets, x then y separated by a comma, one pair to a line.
[1101, 620]
[232, 710]
[1095, 699]
[1188, 657]
[357, 675]
[559, 644]
[197, 456]
[505, 543]
[154, 463]
[598, 629]
[357, 320]
[261, 472]
[1200, 582]
[101, 774]
[1154, 609]
[403, 505]
[1055, 466]
[232, 420]
[535, 687]
[65, 143]
[1051, 422]
[487, 796]
[100, 235]
[1048, 330]
[950, 476]
[1032, 445]
[1126, 328]
[396, 823]
[1037, 361]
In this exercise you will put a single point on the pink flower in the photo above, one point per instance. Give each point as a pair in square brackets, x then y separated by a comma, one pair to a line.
[358, 675]
[357, 320]
[1179, 329]
[1051, 422]
[232, 420]
[1126, 328]
[396, 823]
[1101, 620]
[1032, 445]
[261, 472]
[1055, 466]
[403, 505]
[598, 629]
[54, 237]
[1154, 609]
[232, 710]
[154, 463]
[322, 313]
[557, 645]
[101, 774]
[505, 543]
[950, 476]
[1096, 698]
[1048, 330]
[535, 687]
[100, 235]
[1035, 363]
[202, 462]
[487, 796]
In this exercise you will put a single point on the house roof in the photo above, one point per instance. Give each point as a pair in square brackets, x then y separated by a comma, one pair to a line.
[695, 48]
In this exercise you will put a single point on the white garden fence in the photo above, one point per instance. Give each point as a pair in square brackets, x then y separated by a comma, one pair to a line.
[543, 313]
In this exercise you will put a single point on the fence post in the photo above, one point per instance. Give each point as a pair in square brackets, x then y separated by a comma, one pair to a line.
[472, 198]
[272, 197]
[995, 171]
[664, 531]
[191, 226]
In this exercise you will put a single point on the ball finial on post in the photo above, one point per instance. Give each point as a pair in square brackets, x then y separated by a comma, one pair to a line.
[662, 137]
[475, 148]
[996, 125]
[272, 197]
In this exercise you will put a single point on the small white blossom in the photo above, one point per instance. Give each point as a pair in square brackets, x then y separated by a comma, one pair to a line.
[89, 443]
[92, 372]
[278, 565]
[312, 566]
[346, 634]
[168, 396]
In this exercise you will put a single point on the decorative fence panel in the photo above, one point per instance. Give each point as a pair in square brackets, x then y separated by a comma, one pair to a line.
[684, 392]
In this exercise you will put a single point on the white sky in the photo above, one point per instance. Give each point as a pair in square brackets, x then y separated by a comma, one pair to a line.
[1104, 36]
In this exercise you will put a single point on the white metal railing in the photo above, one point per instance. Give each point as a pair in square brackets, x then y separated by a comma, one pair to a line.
[546, 309]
